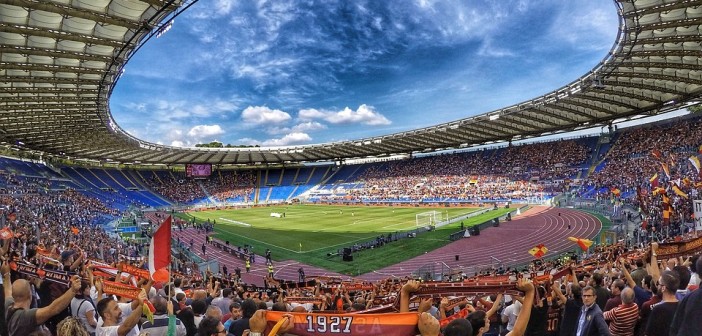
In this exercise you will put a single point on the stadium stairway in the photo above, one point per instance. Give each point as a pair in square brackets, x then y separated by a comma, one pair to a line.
[207, 193]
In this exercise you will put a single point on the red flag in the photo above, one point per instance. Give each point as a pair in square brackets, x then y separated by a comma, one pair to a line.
[654, 181]
[657, 154]
[160, 251]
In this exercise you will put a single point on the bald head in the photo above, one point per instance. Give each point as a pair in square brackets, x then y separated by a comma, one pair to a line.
[199, 294]
[21, 291]
[627, 295]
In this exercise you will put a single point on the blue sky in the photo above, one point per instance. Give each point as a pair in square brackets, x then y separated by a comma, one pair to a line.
[276, 73]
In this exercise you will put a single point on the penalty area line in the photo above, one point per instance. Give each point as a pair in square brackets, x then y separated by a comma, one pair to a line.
[235, 222]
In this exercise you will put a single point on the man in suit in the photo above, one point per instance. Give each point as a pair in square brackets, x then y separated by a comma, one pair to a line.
[591, 321]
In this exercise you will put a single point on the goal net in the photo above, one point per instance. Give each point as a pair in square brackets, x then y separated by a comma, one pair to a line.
[429, 218]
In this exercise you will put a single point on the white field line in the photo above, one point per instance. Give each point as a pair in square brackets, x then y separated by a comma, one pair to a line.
[235, 222]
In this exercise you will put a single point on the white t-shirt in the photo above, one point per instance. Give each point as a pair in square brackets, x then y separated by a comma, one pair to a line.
[81, 307]
[126, 308]
[511, 313]
[112, 331]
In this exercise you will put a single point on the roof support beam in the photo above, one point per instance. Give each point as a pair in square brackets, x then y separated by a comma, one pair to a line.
[586, 104]
[59, 35]
[54, 53]
[82, 13]
[50, 68]
[638, 75]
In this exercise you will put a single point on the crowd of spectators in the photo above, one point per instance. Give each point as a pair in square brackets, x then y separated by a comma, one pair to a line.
[640, 154]
[604, 294]
[221, 185]
[614, 290]
[515, 172]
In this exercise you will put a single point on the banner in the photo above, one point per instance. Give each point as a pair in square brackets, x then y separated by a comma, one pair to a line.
[59, 277]
[303, 299]
[110, 287]
[394, 324]
[679, 249]
[136, 271]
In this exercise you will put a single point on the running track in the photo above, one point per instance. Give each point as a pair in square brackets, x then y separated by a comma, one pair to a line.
[508, 243]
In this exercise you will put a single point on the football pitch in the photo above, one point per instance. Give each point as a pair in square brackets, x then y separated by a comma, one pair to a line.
[308, 228]
[310, 233]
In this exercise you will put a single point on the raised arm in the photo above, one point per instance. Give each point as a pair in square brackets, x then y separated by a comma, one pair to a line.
[5, 270]
[556, 287]
[523, 318]
[58, 305]
[134, 317]
[407, 289]
[629, 280]
[495, 306]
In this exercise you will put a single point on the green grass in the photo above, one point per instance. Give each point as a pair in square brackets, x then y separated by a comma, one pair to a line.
[309, 232]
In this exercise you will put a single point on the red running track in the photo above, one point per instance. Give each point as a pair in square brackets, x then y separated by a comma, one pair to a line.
[509, 243]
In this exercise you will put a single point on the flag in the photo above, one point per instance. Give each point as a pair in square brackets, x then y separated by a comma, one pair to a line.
[5, 233]
[538, 251]
[654, 180]
[583, 243]
[666, 170]
[657, 154]
[679, 192]
[699, 150]
[160, 251]
[75, 230]
[687, 182]
[657, 191]
[695, 163]
[666, 216]
[616, 191]
[148, 310]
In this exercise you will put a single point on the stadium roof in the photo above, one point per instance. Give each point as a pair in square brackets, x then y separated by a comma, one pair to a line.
[60, 60]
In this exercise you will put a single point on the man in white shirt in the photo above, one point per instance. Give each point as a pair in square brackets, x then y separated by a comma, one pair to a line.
[510, 314]
[111, 317]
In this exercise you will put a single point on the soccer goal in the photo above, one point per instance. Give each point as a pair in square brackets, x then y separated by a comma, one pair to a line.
[429, 218]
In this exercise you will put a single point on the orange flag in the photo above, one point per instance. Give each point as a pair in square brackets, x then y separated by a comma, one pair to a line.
[75, 230]
[6, 233]
[583, 243]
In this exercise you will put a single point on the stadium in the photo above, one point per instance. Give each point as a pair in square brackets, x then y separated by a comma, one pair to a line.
[469, 203]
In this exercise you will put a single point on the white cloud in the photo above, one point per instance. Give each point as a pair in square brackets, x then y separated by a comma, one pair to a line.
[289, 139]
[311, 114]
[177, 143]
[203, 131]
[264, 115]
[308, 126]
[365, 114]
